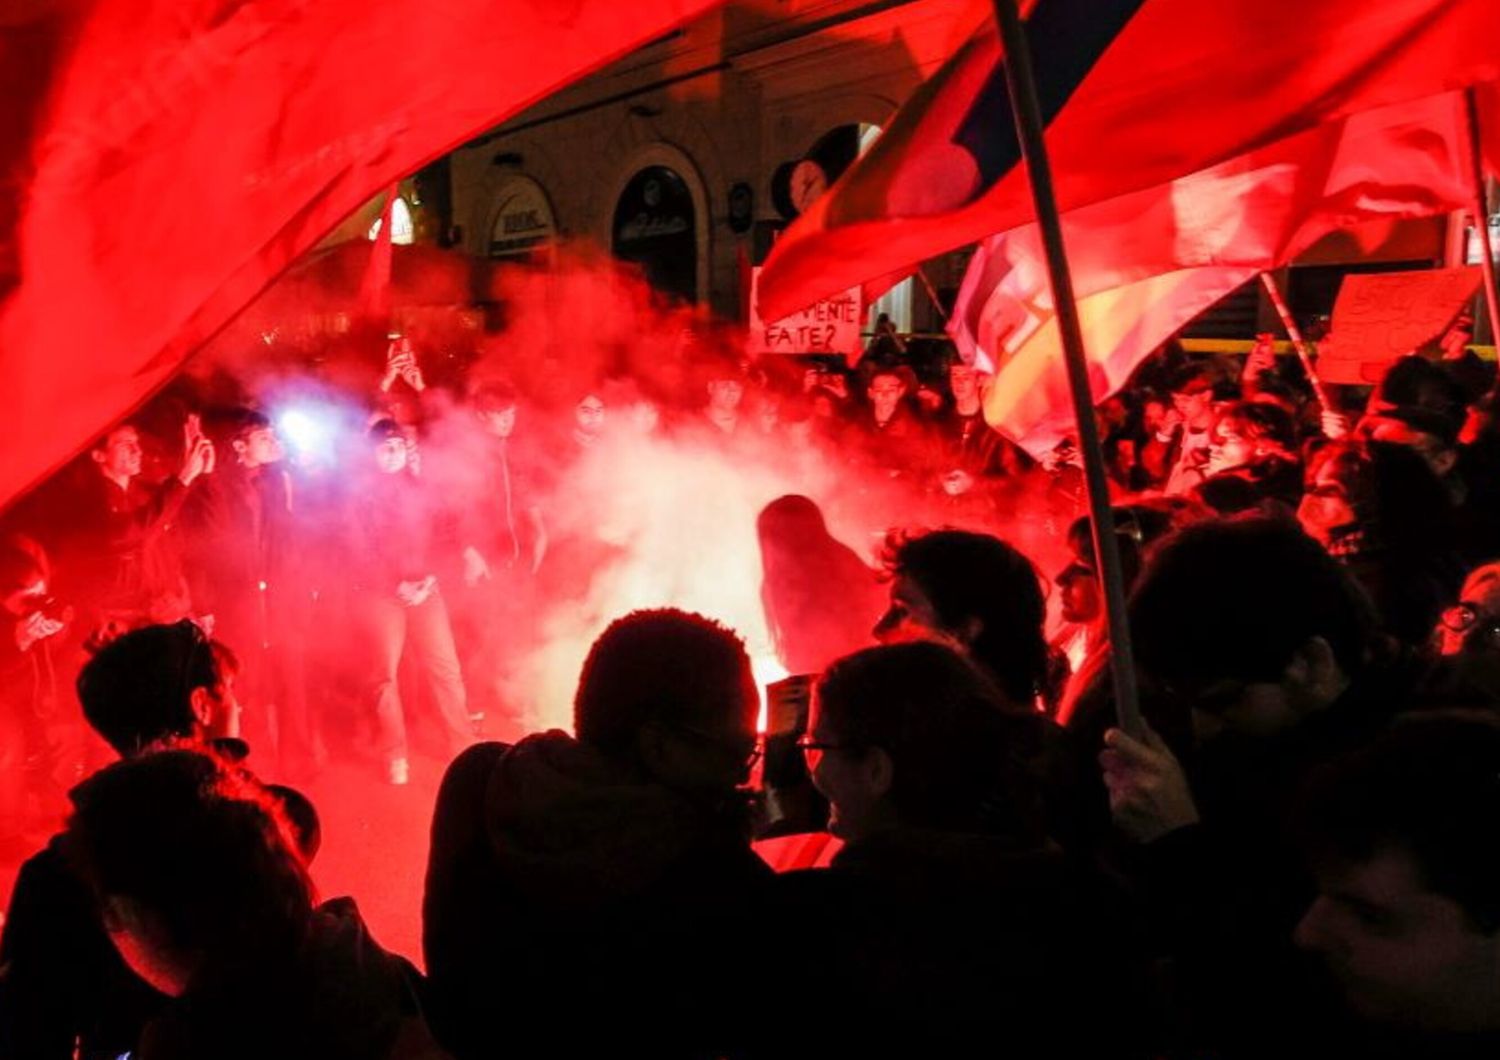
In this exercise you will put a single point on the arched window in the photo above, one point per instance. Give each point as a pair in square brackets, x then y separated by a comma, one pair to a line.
[655, 225]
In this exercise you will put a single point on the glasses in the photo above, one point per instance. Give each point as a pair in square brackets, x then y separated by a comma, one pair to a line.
[813, 750]
[737, 749]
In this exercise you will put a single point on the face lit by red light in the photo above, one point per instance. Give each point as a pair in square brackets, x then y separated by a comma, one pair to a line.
[842, 774]
[724, 395]
[885, 395]
[588, 416]
[499, 423]
[1326, 508]
[261, 446]
[1196, 408]
[963, 381]
[1229, 446]
[391, 455]
[1078, 587]
[119, 455]
[1403, 953]
[910, 616]
[141, 942]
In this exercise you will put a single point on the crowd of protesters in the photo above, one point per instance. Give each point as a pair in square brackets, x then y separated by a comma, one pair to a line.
[1296, 853]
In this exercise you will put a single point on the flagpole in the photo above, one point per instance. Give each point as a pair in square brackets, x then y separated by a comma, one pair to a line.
[1479, 210]
[1027, 111]
[932, 294]
[1298, 342]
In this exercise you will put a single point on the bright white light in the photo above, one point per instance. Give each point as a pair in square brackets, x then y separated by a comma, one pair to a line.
[767, 670]
[402, 230]
[305, 432]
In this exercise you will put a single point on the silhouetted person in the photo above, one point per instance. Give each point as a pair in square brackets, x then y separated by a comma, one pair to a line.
[947, 922]
[1264, 638]
[583, 881]
[205, 896]
[819, 597]
[63, 985]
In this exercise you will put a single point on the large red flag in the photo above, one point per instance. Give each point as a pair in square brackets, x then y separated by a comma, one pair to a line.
[1146, 263]
[1135, 93]
[162, 160]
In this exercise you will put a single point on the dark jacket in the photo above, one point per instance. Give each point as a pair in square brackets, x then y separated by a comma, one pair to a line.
[339, 997]
[1224, 896]
[119, 553]
[61, 981]
[930, 943]
[608, 911]
[391, 537]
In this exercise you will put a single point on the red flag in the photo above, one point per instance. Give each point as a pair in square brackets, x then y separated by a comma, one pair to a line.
[1135, 93]
[162, 160]
[1146, 263]
[375, 287]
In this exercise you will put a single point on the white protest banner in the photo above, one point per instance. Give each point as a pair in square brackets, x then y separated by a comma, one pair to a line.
[830, 325]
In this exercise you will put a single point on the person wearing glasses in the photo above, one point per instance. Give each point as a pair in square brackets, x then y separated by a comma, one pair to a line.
[603, 884]
[949, 918]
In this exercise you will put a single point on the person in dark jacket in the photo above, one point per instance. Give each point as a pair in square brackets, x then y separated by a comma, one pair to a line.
[603, 885]
[397, 600]
[62, 985]
[205, 896]
[118, 552]
[948, 923]
[246, 558]
[1267, 641]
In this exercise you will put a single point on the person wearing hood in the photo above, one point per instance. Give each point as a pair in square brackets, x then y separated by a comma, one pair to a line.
[204, 893]
[602, 886]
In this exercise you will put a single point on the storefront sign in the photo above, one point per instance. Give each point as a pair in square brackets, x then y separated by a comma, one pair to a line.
[523, 219]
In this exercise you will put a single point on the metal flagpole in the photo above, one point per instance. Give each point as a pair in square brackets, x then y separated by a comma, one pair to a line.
[1479, 210]
[1021, 82]
[1298, 342]
[932, 294]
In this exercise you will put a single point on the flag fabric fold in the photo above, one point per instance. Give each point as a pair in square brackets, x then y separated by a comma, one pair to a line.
[1136, 93]
[163, 160]
[1146, 263]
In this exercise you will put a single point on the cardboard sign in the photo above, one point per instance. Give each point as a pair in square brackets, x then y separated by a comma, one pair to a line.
[1379, 317]
[829, 326]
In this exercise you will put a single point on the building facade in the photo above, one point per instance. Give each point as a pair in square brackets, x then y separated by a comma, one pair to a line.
[690, 154]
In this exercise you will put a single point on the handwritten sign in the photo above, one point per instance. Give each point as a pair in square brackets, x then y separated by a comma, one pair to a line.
[1379, 317]
[829, 326]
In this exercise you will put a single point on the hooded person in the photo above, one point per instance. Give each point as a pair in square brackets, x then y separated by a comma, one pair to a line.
[204, 893]
[820, 598]
[586, 879]
[65, 991]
